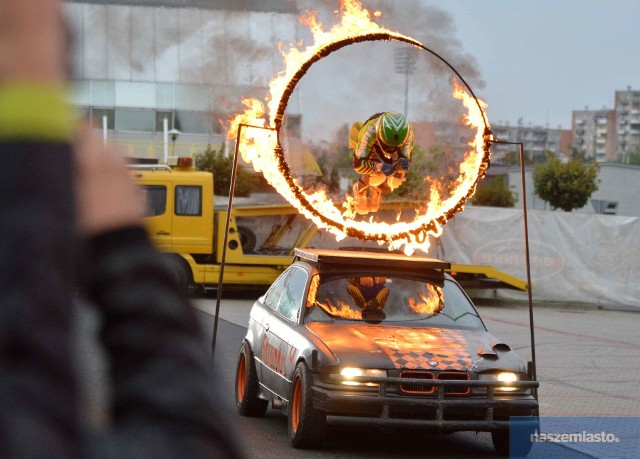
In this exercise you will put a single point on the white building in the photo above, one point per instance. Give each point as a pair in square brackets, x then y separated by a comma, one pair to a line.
[138, 63]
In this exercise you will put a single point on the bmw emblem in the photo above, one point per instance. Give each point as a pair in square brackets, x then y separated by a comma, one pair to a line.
[433, 363]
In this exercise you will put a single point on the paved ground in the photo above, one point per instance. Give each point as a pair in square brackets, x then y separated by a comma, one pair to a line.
[588, 360]
[588, 365]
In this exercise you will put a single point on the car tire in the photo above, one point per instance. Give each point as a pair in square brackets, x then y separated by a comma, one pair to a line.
[307, 425]
[247, 387]
[502, 445]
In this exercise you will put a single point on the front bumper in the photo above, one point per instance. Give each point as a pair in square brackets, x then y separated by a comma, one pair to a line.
[387, 407]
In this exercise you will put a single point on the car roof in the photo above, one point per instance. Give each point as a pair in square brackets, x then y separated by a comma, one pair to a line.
[369, 260]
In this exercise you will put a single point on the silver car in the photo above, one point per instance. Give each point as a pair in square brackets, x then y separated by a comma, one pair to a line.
[379, 339]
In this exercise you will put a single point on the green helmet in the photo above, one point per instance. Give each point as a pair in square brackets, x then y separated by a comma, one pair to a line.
[393, 129]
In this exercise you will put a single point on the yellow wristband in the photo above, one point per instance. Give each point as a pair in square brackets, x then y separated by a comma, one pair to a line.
[34, 111]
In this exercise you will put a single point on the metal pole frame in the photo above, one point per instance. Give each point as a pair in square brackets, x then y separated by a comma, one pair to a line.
[232, 188]
[527, 258]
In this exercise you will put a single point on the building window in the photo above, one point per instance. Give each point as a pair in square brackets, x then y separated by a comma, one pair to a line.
[97, 116]
[292, 125]
[160, 117]
[188, 200]
[218, 123]
[193, 122]
[135, 120]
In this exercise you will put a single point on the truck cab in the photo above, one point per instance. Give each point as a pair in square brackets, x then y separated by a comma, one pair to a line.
[179, 207]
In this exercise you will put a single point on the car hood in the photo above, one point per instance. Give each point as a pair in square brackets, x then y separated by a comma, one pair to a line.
[397, 347]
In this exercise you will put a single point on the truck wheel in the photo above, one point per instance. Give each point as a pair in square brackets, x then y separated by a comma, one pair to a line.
[181, 271]
[247, 400]
[522, 441]
[247, 240]
[307, 426]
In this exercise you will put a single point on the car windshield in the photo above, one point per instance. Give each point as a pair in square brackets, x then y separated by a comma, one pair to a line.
[389, 299]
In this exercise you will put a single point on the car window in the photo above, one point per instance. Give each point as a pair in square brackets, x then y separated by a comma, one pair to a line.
[188, 200]
[273, 295]
[390, 299]
[290, 300]
[155, 197]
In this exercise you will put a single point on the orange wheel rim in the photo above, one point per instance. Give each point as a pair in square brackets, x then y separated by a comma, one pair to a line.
[240, 379]
[296, 405]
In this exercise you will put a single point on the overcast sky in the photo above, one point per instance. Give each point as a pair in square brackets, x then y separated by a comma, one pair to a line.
[541, 59]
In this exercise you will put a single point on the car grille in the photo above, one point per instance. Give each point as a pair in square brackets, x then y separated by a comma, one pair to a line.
[429, 390]
[417, 388]
[455, 376]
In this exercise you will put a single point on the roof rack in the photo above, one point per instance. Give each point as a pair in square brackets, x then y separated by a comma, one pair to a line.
[389, 260]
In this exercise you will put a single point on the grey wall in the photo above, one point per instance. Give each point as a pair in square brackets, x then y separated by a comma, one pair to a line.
[618, 182]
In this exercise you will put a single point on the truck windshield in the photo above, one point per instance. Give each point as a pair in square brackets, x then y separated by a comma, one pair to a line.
[390, 299]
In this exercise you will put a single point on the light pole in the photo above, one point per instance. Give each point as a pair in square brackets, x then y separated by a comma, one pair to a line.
[174, 133]
[405, 62]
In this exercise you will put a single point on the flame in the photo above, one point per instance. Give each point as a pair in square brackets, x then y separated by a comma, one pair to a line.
[431, 304]
[260, 148]
[340, 309]
[313, 291]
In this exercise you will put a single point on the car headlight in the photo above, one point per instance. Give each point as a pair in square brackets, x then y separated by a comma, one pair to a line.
[348, 373]
[507, 377]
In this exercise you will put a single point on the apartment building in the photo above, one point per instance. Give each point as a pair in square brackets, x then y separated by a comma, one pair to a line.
[627, 109]
[609, 134]
[536, 140]
[594, 133]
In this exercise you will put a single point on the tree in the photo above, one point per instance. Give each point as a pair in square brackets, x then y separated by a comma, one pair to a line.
[578, 153]
[436, 160]
[221, 165]
[494, 192]
[512, 158]
[632, 157]
[565, 186]
[539, 158]
[415, 185]
[329, 179]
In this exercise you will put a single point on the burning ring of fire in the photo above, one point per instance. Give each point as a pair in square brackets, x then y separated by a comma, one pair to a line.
[317, 206]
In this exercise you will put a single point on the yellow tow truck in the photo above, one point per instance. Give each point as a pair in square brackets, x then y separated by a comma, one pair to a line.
[184, 222]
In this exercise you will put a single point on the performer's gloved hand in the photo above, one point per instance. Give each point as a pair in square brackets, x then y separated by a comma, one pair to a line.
[404, 163]
[386, 169]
